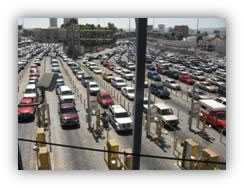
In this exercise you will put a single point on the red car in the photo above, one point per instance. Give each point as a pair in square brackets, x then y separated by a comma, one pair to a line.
[26, 112]
[69, 117]
[104, 99]
[186, 78]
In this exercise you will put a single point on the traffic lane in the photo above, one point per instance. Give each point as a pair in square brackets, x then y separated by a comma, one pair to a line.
[27, 130]
[71, 159]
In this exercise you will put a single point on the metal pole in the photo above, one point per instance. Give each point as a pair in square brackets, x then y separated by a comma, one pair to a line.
[192, 107]
[141, 40]
[88, 107]
[148, 111]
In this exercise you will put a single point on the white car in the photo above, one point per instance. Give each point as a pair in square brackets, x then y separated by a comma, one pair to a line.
[118, 82]
[172, 84]
[97, 70]
[165, 114]
[93, 88]
[128, 92]
[31, 91]
[128, 75]
[117, 70]
[119, 118]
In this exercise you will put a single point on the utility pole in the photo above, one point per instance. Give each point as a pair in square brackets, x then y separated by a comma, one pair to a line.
[88, 107]
[148, 111]
[141, 41]
[196, 38]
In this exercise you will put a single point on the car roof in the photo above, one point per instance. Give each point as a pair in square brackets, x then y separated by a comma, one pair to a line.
[118, 108]
[129, 87]
[212, 104]
[65, 88]
[31, 86]
[161, 106]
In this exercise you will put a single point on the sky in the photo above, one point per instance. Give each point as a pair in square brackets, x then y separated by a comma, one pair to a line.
[124, 22]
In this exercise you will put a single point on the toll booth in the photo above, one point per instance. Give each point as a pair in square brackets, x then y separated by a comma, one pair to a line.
[209, 155]
[191, 151]
[112, 159]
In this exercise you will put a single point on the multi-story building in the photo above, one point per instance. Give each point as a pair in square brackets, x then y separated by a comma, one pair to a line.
[53, 22]
[67, 20]
[161, 28]
[181, 31]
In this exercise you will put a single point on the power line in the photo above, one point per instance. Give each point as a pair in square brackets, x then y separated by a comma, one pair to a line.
[119, 152]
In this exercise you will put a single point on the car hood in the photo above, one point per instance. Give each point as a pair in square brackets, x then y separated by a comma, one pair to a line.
[132, 95]
[25, 110]
[125, 120]
[169, 117]
[70, 116]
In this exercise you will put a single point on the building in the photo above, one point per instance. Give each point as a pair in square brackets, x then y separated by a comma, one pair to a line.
[67, 20]
[181, 31]
[161, 28]
[53, 22]
[149, 28]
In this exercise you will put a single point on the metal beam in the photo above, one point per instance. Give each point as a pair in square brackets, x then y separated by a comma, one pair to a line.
[141, 40]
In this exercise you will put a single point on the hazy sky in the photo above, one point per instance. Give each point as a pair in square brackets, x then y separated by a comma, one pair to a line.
[124, 22]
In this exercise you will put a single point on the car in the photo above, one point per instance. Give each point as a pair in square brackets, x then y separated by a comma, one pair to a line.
[126, 74]
[31, 91]
[69, 117]
[104, 99]
[164, 114]
[213, 113]
[97, 70]
[159, 90]
[172, 74]
[117, 70]
[59, 82]
[198, 94]
[172, 84]
[119, 118]
[26, 110]
[186, 78]
[128, 92]
[79, 74]
[145, 104]
[85, 79]
[107, 76]
[207, 86]
[221, 100]
[153, 75]
[151, 67]
[118, 82]
[93, 88]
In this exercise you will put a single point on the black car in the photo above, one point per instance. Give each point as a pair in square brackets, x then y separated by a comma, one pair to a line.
[159, 90]
[85, 79]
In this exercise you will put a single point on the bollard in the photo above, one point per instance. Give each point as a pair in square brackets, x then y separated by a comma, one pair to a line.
[40, 136]
[43, 159]
[128, 159]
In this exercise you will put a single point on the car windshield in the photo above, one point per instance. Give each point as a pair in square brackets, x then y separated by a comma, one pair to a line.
[30, 91]
[120, 81]
[93, 85]
[121, 115]
[67, 93]
[130, 90]
[165, 111]
[68, 110]
[221, 115]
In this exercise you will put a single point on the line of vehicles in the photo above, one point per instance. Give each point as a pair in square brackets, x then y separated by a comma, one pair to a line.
[183, 68]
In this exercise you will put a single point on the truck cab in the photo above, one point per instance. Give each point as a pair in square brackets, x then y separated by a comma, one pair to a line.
[213, 113]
